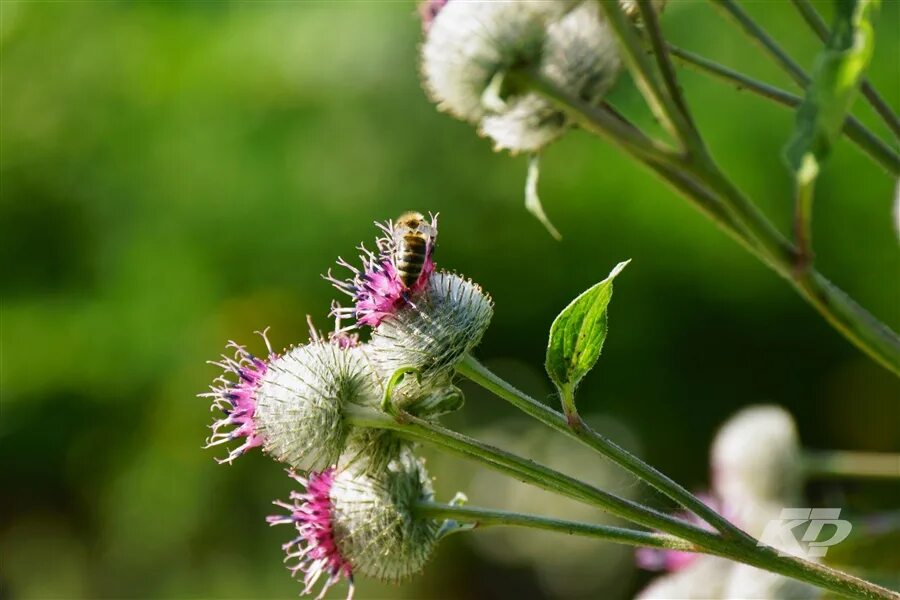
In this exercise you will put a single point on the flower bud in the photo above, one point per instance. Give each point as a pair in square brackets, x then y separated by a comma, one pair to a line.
[293, 404]
[438, 328]
[630, 7]
[356, 521]
[581, 57]
[470, 46]
[427, 326]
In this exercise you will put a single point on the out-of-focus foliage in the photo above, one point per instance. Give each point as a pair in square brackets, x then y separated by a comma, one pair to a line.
[174, 175]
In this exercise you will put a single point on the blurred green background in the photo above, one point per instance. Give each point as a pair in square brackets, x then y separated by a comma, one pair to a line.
[175, 175]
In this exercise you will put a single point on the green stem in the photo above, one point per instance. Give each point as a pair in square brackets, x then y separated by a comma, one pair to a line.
[855, 131]
[818, 25]
[661, 102]
[734, 544]
[528, 471]
[702, 182]
[806, 183]
[838, 463]
[842, 312]
[483, 517]
[759, 35]
[577, 429]
[660, 52]
[743, 550]
[598, 120]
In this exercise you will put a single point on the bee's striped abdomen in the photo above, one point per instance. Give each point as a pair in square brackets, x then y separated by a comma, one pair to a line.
[410, 257]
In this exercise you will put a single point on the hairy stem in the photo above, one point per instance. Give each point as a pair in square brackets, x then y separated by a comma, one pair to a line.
[483, 517]
[528, 471]
[820, 28]
[743, 549]
[473, 370]
[733, 544]
[855, 131]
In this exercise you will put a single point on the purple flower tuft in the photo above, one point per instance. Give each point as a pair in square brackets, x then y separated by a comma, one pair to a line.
[314, 551]
[377, 290]
[236, 398]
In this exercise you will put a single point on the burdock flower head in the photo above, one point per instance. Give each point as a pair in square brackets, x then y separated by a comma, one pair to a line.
[471, 47]
[358, 521]
[292, 404]
[423, 319]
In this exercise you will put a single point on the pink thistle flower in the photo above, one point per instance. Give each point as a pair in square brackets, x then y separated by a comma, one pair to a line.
[236, 398]
[340, 337]
[378, 290]
[314, 551]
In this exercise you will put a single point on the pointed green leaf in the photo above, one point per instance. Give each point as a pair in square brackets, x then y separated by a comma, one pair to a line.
[837, 73]
[577, 335]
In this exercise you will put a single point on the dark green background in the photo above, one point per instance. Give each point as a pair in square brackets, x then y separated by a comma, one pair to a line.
[175, 175]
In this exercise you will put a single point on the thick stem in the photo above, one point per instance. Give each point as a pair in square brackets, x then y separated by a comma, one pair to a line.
[855, 131]
[473, 370]
[701, 181]
[818, 25]
[482, 517]
[844, 464]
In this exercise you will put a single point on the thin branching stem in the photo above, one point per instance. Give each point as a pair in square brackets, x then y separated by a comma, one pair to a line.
[483, 517]
[733, 544]
[473, 370]
[658, 96]
[528, 471]
[855, 131]
[703, 182]
[759, 35]
[815, 21]
[657, 42]
[744, 549]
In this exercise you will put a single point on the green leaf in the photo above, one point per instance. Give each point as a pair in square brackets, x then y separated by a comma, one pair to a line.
[577, 335]
[837, 73]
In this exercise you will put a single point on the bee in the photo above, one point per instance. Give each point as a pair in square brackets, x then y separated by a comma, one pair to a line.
[413, 245]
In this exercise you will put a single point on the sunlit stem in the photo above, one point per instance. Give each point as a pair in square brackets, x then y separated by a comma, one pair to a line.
[658, 95]
[806, 183]
[701, 181]
[818, 25]
[576, 428]
[845, 464]
[743, 549]
[482, 517]
[855, 131]
[759, 35]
